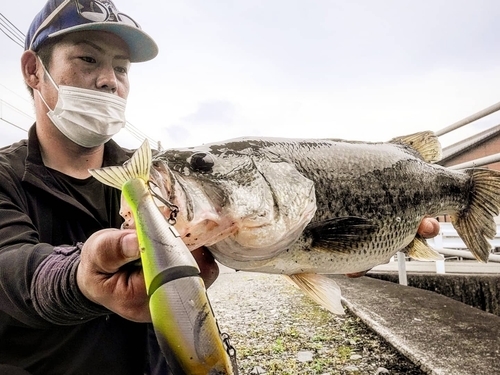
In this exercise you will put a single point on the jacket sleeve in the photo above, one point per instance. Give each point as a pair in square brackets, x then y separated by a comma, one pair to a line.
[55, 293]
[37, 280]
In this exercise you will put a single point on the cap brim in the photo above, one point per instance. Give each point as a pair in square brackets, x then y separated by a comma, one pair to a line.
[141, 46]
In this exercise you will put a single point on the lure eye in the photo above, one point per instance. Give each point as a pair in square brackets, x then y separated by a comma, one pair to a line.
[202, 162]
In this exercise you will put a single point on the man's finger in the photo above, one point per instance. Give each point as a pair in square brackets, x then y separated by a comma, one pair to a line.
[130, 246]
[110, 249]
[429, 227]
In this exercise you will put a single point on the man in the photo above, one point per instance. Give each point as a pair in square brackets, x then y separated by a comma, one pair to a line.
[71, 299]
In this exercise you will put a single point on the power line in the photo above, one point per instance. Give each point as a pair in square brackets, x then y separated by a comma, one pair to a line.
[11, 31]
[3, 102]
[11, 38]
[14, 26]
[17, 109]
[14, 125]
[136, 133]
[16, 94]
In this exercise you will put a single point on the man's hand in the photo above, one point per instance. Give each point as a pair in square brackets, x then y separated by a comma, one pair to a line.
[105, 276]
[209, 270]
[429, 227]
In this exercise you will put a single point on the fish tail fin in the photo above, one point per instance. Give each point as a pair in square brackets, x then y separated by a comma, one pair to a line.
[321, 289]
[136, 167]
[475, 224]
[425, 143]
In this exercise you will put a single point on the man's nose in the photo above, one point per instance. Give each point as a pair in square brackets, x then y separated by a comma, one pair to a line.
[106, 81]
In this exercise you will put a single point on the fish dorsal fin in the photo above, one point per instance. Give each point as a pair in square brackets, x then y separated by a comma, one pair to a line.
[136, 167]
[321, 289]
[418, 249]
[425, 143]
[341, 233]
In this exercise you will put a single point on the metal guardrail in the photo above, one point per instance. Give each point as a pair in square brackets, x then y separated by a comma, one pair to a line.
[478, 162]
[447, 243]
[476, 116]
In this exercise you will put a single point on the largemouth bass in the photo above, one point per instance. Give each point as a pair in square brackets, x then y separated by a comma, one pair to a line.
[322, 206]
[182, 317]
[306, 207]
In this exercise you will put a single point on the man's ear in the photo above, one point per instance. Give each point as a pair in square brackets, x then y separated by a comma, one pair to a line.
[31, 69]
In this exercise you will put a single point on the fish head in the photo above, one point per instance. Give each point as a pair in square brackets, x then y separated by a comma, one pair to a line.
[248, 203]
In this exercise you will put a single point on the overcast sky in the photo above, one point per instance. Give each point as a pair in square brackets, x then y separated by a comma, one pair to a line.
[358, 69]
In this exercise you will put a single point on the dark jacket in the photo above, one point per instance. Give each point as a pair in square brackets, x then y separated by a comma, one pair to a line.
[40, 222]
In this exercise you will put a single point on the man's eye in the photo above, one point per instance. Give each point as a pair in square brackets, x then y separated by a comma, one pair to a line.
[88, 59]
[121, 69]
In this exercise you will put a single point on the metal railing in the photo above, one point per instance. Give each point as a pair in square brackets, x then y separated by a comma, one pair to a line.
[449, 244]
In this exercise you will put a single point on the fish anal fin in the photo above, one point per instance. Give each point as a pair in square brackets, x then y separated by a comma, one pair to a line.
[418, 249]
[425, 143]
[321, 289]
[341, 233]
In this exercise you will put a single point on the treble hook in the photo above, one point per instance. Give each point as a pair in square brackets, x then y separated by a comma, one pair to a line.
[174, 210]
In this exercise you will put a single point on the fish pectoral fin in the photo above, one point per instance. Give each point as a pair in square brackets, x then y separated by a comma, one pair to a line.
[321, 289]
[418, 249]
[341, 233]
[425, 143]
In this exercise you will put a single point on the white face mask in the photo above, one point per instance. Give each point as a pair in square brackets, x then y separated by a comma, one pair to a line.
[88, 117]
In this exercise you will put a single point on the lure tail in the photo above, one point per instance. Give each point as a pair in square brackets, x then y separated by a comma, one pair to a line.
[136, 167]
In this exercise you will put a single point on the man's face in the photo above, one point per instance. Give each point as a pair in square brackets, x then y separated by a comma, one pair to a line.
[93, 60]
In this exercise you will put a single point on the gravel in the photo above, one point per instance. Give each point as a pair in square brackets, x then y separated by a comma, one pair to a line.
[276, 329]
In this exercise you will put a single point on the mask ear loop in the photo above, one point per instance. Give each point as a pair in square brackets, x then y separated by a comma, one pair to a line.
[51, 81]
[43, 100]
[47, 72]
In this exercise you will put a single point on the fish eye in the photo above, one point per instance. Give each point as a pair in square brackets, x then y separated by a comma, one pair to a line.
[202, 162]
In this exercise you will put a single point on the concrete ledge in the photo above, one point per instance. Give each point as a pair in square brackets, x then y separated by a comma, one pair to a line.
[477, 290]
[441, 335]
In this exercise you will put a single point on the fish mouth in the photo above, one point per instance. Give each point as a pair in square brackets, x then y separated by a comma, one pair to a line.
[199, 221]
[165, 183]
